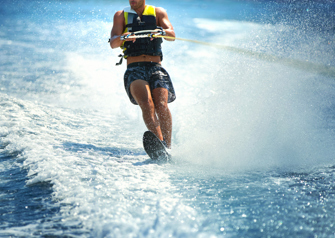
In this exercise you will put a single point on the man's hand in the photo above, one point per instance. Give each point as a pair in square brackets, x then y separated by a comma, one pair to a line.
[125, 37]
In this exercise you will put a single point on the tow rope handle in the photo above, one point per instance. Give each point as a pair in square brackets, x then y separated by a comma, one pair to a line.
[159, 30]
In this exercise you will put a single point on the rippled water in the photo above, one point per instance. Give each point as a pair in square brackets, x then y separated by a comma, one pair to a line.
[253, 139]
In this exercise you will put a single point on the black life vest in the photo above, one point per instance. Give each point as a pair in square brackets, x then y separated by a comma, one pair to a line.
[142, 46]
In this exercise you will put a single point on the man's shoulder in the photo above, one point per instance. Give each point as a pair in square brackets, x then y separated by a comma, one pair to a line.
[119, 15]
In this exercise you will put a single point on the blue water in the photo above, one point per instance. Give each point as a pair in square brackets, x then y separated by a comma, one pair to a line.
[253, 133]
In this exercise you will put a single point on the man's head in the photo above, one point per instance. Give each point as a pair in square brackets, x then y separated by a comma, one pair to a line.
[136, 4]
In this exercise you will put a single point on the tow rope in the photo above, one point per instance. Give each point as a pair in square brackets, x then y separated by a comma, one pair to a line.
[306, 65]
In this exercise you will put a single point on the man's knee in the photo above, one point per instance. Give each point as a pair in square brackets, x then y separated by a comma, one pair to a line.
[161, 106]
[145, 102]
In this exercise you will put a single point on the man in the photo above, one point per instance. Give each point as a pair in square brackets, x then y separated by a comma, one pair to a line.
[146, 82]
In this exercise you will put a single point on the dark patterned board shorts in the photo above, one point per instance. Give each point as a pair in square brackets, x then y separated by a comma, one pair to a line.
[153, 73]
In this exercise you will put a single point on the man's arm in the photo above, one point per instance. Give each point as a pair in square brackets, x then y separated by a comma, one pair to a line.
[164, 22]
[117, 30]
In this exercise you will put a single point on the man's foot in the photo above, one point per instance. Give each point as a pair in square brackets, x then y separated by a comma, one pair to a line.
[164, 143]
[167, 149]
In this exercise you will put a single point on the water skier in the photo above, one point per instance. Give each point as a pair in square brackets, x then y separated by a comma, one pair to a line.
[146, 82]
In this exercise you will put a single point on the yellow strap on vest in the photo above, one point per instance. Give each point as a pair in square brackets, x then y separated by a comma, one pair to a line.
[126, 19]
[149, 10]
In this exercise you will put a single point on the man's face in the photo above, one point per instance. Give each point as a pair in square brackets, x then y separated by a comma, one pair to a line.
[135, 4]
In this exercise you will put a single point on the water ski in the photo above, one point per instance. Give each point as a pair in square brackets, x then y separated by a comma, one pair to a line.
[154, 147]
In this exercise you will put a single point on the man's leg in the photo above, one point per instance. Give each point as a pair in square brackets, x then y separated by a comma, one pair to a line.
[160, 97]
[140, 90]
